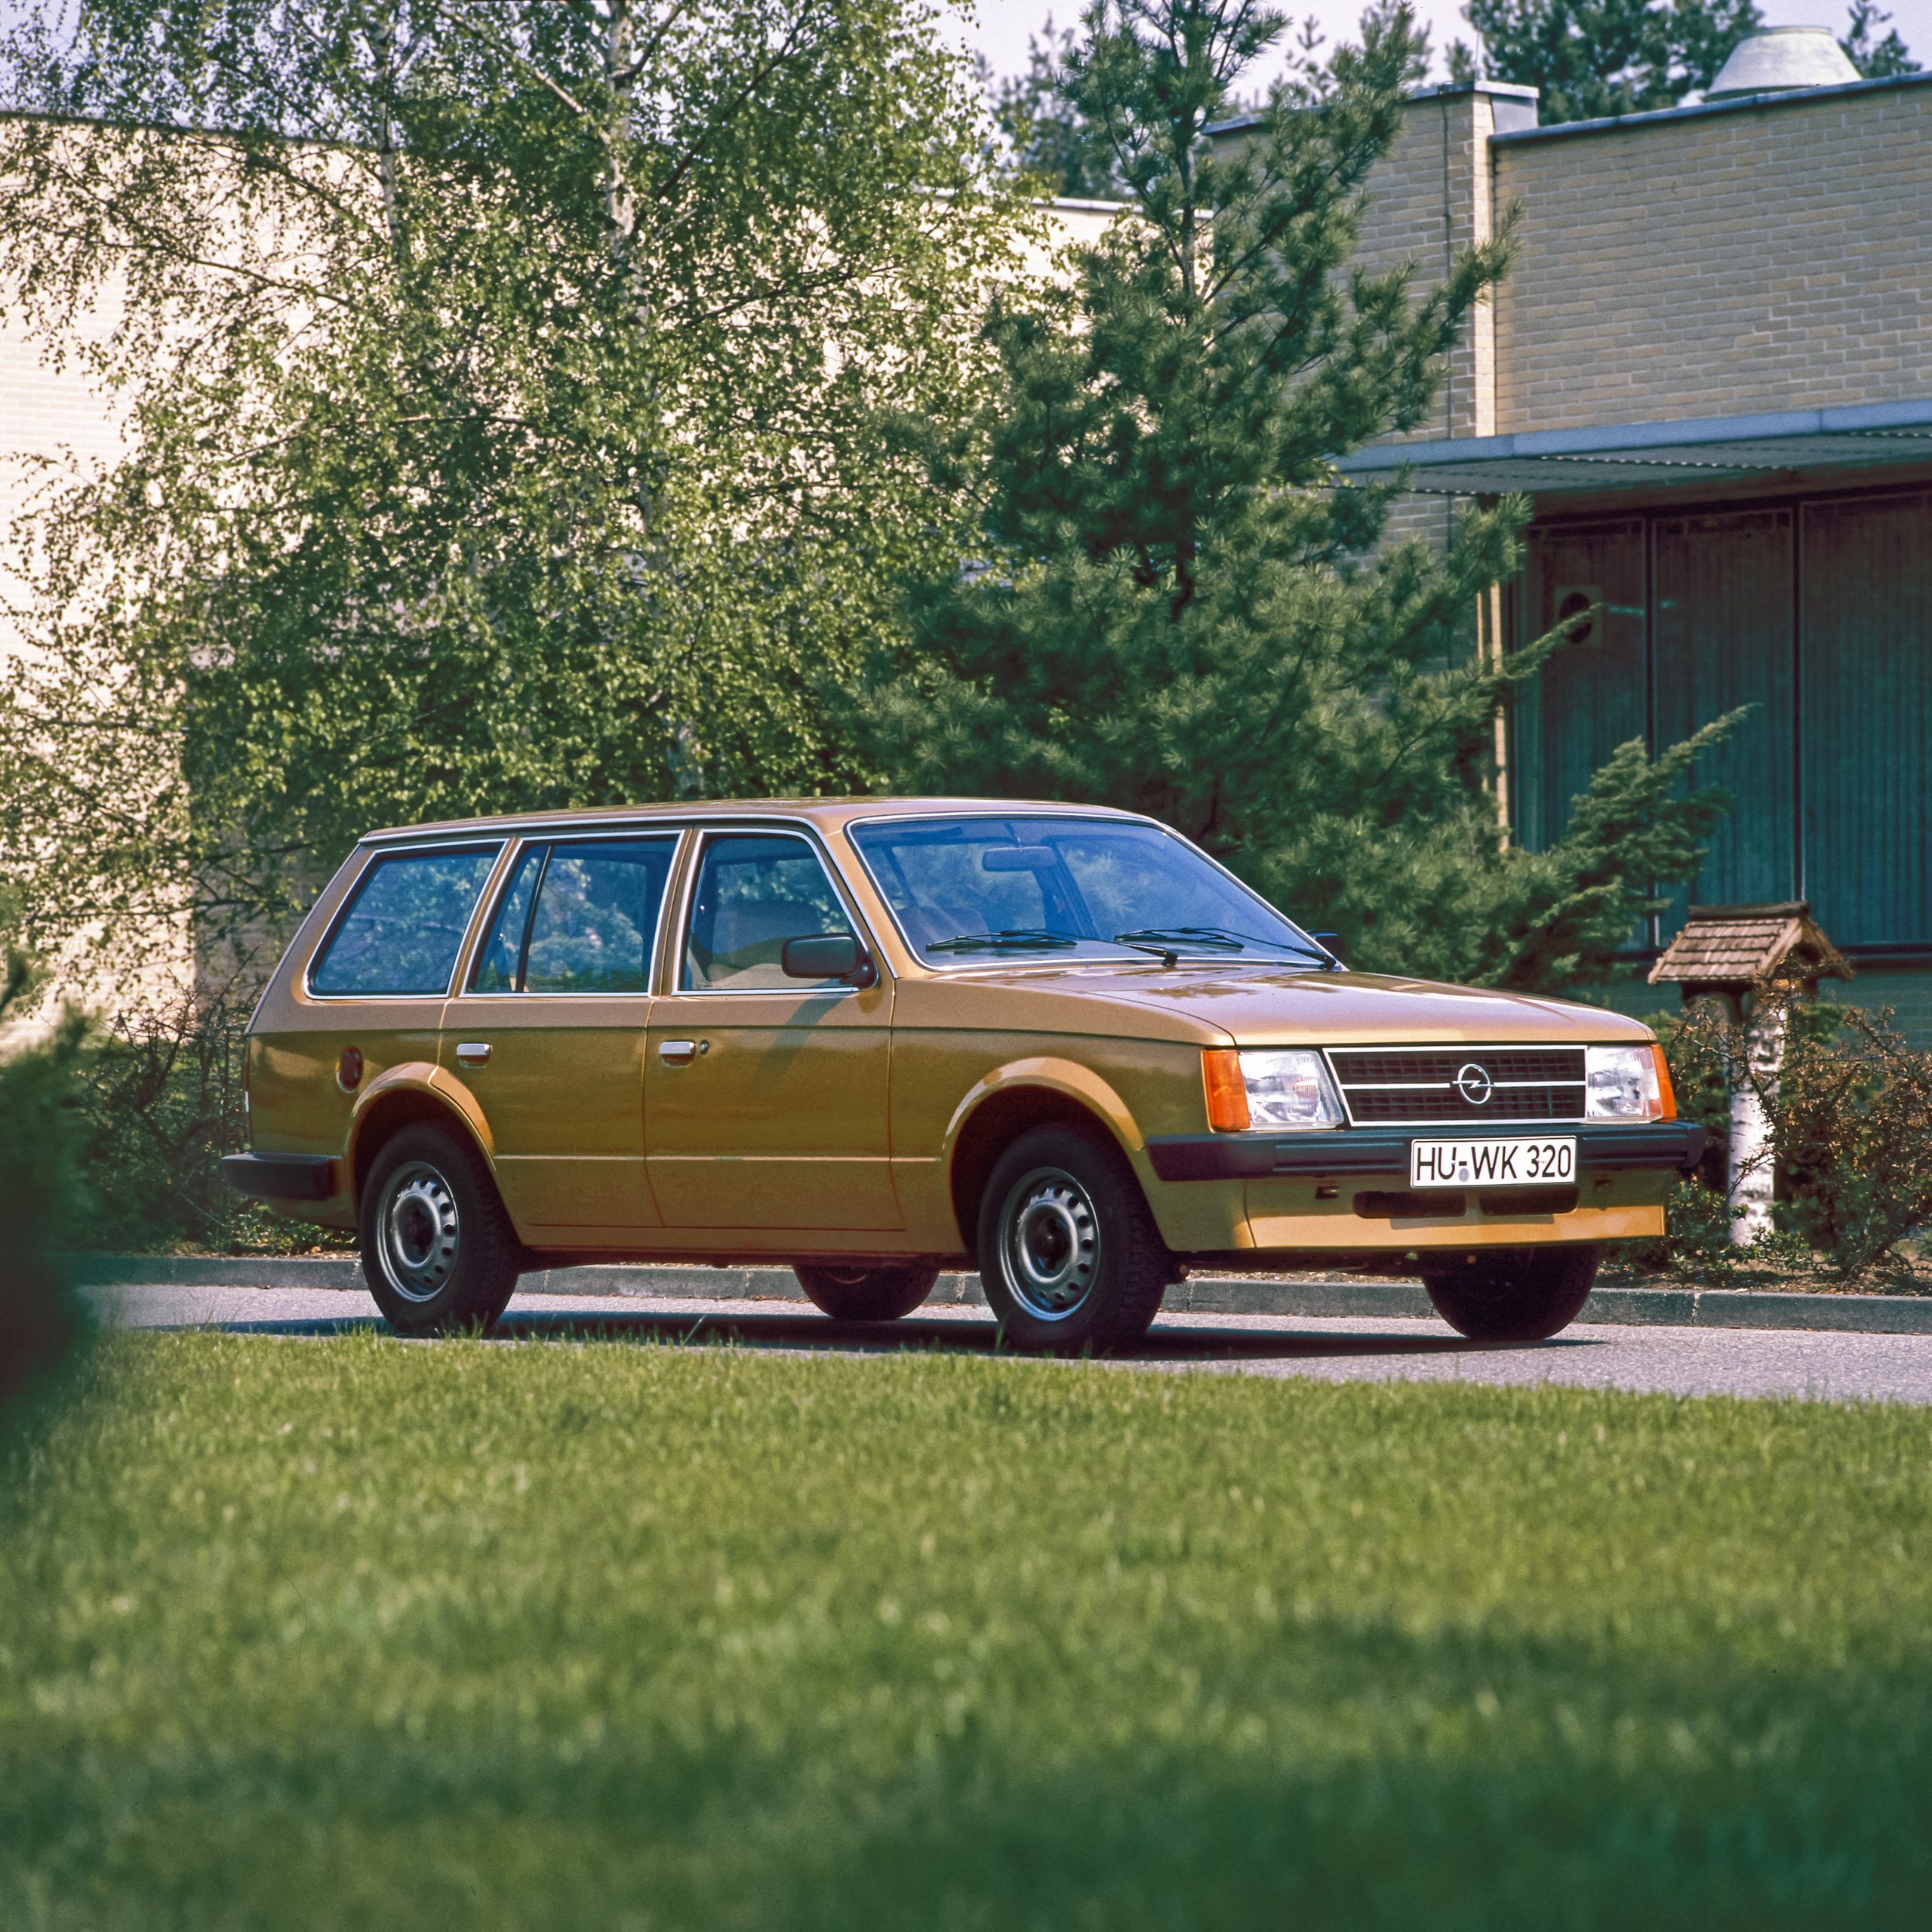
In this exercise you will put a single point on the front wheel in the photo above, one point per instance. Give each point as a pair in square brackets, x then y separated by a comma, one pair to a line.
[1514, 1294]
[1069, 1256]
[438, 1252]
[867, 1294]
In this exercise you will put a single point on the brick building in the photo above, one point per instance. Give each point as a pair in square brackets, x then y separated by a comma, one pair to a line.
[1711, 369]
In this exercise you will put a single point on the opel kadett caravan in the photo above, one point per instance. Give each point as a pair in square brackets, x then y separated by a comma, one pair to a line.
[871, 1039]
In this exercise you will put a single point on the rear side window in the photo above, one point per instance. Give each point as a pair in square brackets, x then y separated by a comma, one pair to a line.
[578, 917]
[405, 923]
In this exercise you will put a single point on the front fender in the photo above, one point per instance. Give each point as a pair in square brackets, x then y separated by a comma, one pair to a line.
[1053, 1075]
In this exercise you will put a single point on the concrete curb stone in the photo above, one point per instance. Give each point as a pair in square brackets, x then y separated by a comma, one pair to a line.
[1203, 1294]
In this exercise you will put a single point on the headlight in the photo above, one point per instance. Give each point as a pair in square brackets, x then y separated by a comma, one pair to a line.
[1268, 1090]
[1626, 1083]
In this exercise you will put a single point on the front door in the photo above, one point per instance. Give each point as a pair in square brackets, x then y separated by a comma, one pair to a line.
[549, 1034]
[765, 1096]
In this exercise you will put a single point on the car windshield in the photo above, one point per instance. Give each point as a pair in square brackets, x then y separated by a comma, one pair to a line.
[973, 888]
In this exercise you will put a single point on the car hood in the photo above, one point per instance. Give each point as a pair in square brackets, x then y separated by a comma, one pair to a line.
[1282, 1006]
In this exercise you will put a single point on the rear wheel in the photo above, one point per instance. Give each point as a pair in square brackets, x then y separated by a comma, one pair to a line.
[867, 1294]
[438, 1252]
[1069, 1256]
[1514, 1294]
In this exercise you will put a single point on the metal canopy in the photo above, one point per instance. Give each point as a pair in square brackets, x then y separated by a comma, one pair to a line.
[1701, 450]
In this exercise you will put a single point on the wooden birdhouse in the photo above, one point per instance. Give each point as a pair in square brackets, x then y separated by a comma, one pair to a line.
[1739, 954]
[1735, 950]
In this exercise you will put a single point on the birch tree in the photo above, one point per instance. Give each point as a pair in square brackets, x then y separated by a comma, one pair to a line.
[501, 380]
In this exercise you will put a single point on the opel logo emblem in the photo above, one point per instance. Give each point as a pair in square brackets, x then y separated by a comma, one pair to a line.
[1474, 1084]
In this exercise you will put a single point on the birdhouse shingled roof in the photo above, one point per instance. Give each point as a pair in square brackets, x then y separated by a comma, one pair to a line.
[1744, 945]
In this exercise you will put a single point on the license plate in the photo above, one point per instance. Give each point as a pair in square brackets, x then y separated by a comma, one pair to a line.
[1519, 1161]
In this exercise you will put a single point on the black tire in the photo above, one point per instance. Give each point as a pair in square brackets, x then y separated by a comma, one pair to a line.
[438, 1252]
[1514, 1294]
[867, 1294]
[1069, 1256]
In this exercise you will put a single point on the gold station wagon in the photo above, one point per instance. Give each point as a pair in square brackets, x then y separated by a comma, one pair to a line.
[873, 1038]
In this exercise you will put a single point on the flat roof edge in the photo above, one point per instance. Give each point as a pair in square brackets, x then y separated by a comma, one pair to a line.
[1743, 104]
[1608, 439]
[1431, 91]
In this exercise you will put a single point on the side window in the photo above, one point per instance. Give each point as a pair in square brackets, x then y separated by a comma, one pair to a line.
[755, 891]
[501, 962]
[596, 920]
[405, 924]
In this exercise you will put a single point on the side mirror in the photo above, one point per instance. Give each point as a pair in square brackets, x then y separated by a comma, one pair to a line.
[827, 956]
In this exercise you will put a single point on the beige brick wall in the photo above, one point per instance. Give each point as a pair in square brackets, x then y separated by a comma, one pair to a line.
[1717, 264]
[54, 425]
[1759, 258]
[1428, 197]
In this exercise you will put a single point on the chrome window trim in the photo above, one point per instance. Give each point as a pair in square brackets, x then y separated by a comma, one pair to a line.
[378, 854]
[1031, 956]
[480, 937]
[705, 833]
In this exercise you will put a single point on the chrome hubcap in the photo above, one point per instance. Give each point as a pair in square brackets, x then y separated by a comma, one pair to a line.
[420, 1232]
[1050, 1243]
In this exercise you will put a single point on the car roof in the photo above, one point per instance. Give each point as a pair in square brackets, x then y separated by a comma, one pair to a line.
[827, 813]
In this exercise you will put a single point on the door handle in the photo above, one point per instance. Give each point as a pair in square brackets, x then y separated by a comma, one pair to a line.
[473, 1052]
[677, 1052]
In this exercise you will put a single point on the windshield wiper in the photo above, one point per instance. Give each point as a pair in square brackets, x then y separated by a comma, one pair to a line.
[1217, 939]
[1031, 938]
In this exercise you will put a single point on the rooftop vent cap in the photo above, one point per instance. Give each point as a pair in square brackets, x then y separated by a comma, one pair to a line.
[1782, 61]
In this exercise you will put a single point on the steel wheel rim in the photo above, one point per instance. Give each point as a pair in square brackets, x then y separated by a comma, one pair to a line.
[420, 1232]
[1050, 1244]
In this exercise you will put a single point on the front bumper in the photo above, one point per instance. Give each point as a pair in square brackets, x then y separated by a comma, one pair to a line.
[1668, 1146]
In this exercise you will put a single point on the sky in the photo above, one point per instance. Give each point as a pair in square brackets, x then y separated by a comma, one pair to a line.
[1000, 29]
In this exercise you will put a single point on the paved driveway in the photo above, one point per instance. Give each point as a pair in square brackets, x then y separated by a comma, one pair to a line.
[1682, 1361]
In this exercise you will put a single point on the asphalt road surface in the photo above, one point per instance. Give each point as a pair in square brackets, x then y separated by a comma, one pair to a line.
[1820, 1366]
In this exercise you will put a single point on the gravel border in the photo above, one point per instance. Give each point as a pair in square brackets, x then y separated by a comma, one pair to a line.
[1204, 1294]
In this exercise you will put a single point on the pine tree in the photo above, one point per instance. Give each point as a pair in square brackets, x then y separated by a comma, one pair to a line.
[1876, 60]
[1591, 58]
[1180, 607]
[1595, 57]
[1052, 141]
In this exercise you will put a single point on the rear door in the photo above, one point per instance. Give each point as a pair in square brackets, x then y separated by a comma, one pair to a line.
[549, 1032]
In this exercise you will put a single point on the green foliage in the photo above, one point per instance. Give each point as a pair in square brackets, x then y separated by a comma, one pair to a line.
[1596, 57]
[160, 1099]
[315, 1634]
[1851, 1114]
[499, 375]
[1877, 59]
[1181, 607]
[1052, 141]
[1853, 1132]
[1592, 58]
[43, 1206]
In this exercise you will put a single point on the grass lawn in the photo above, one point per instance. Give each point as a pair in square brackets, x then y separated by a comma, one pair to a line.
[353, 1634]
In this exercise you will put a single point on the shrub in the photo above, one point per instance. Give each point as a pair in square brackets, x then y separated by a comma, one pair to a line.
[44, 1325]
[1851, 1114]
[1853, 1132]
[162, 1095]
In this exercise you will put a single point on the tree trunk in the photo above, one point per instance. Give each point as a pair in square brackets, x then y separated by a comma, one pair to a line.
[1754, 1091]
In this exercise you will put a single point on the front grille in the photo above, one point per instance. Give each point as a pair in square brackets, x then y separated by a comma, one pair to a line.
[1389, 1087]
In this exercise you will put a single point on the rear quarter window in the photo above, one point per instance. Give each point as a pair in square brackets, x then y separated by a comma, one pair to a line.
[405, 924]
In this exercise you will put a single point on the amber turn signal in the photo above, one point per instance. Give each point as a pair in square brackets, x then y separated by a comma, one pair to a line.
[1227, 1091]
[1667, 1095]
